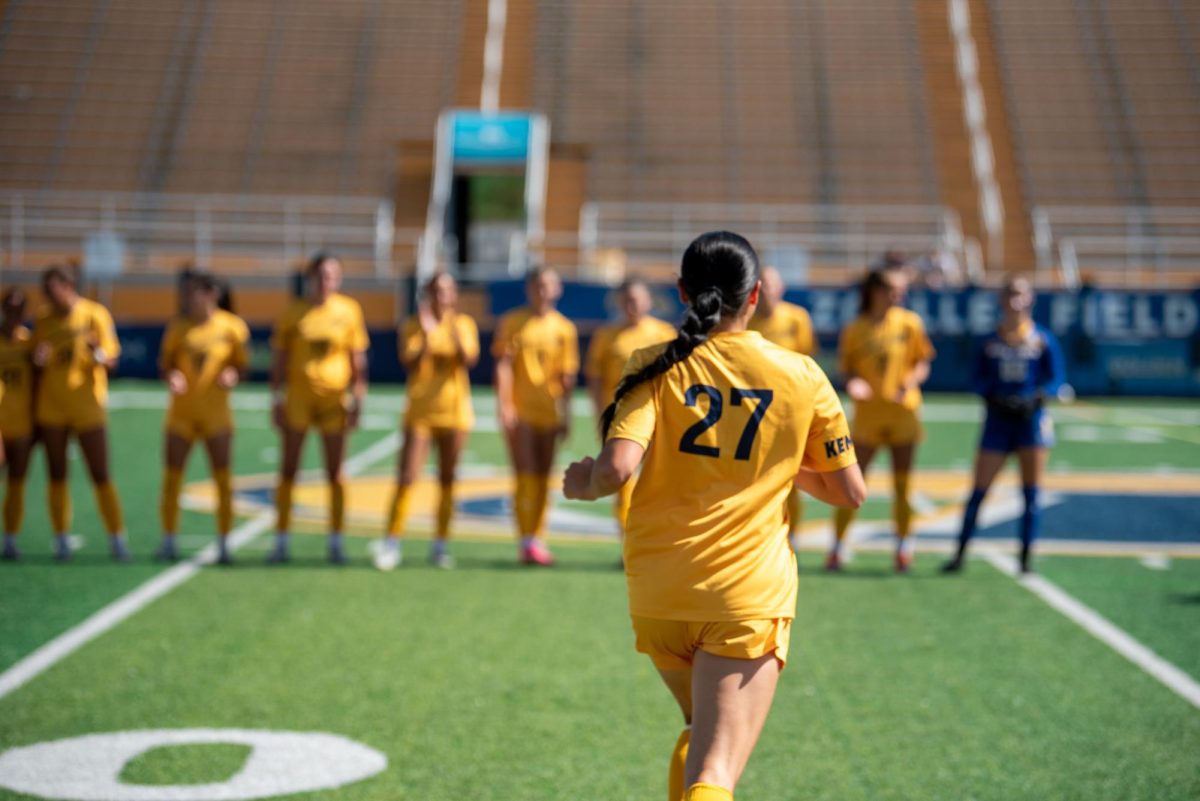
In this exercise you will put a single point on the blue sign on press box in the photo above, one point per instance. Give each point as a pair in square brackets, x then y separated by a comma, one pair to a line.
[491, 138]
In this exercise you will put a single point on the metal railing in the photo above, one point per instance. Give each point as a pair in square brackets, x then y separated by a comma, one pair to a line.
[1127, 245]
[119, 232]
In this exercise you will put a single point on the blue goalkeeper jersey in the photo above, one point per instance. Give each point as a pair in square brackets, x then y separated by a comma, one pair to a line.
[1029, 367]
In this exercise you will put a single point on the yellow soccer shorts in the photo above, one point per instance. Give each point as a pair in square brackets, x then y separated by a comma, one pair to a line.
[193, 425]
[77, 411]
[16, 422]
[887, 425]
[672, 644]
[305, 408]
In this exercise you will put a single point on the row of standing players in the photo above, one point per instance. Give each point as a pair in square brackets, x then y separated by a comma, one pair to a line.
[318, 380]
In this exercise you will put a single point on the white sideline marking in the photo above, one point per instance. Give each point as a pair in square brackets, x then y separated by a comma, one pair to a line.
[1156, 561]
[154, 588]
[1102, 629]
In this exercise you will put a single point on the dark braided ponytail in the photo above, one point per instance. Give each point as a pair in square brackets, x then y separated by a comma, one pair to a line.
[718, 273]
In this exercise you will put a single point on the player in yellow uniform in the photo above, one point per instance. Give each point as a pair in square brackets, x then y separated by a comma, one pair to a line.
[884, 356]
[537, 359]
[437, 348]
[74, 348]
[16, 413]
[788, 326]
[610, 349]
[203, 356]
[318, 380]
[726, 423]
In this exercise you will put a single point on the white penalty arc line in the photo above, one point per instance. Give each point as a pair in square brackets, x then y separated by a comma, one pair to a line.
[151, 590]
[1102, 629]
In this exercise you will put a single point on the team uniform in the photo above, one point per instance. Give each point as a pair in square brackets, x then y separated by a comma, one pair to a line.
[544, 350]
[201, 351]
[883, 355]
[319, 340]
[73, 393]
[439, 402]
[609, 352]
[16, 414]
[439, 389]
[1014, 376]
[789, 326]
[706, 552]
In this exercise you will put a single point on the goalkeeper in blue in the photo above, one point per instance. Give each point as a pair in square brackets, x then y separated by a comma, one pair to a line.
[1016, 369]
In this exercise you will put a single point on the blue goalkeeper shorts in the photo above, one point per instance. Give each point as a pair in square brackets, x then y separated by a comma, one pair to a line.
[1005, 434]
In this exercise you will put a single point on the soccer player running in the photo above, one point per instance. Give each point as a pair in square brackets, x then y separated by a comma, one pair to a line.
[1016, 369]
[726, 424]
[16, 413]
[610, 349]
[788, 326]
[884, 356]
[74, 348]
[203, 356]
[537, 359]
[318, 380]
[437, 348]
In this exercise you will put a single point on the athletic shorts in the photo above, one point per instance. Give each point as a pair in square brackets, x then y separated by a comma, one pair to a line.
[887, 425]
[77, 411]
[17, 422]
[325, 411]
[1005, 434]
[193, 426]
[672, 644]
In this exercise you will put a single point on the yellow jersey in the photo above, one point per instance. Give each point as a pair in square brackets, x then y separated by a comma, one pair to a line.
[439, 389]
[788, 326]
[16, 376]
[884, 354]
[201, 351]
[612, 345]
[726, 432]
[73, 372]
[544, 350]
[320, 340]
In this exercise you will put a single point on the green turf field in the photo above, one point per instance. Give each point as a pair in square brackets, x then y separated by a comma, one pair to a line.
[496, 682]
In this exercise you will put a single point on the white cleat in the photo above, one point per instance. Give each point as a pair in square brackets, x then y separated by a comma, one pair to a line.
[442, 561]
[387, 558]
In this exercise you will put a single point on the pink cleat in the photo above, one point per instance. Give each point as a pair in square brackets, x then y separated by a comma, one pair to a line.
[536, 554]
[903, 562]
[833, 563]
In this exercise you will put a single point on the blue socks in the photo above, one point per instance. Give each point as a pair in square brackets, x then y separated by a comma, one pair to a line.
[1031, 522]
[969, 516]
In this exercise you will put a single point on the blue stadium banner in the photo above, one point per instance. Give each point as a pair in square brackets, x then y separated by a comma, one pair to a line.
[500, 138]
[1115, 342]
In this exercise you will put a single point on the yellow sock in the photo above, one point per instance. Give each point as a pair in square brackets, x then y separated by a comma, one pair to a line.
[523, 504]
[901, 508]
[842, 518]
[168, 504]
[541, 498]
[14, 506]
[795, 510]
[397, 511]
[445, 511]
[60, 507]
[621, 503]
[337, 504]
[110, 508]
[707, 792]
[675, 769]
[224, 501]
[283, 505]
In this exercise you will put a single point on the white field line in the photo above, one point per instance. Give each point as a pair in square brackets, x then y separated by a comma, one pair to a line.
[151, 590]
[1102, 629]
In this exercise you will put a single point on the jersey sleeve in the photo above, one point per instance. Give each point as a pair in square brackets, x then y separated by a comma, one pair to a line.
[829, 446]
[468, 335]
[502, 341]
[409, 341]
[239, 355]
[106, 332]
[637, 411]
[920, 348]
[168, 348]
[359, 341]
[570, 349]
